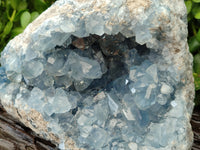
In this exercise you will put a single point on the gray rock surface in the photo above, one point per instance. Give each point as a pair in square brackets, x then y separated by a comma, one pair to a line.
[102, 74]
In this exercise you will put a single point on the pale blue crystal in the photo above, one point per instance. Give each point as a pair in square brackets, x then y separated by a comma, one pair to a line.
[58, 104]
[36, 99]
[103, 76]
[32, 69]
[82, 67]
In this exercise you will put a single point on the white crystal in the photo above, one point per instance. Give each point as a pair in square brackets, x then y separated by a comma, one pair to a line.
[51, 60]
[126, 82]
[128, 114]
[133, 90]
[166, 89]
[174, 104]
[99, 96]
[85, 67]
[148, 91]
[68, 27]
[132, 75]
[133, 146]
[113, 106]
[62, 146]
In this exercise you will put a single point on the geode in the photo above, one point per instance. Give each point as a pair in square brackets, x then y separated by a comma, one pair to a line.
[102, 74]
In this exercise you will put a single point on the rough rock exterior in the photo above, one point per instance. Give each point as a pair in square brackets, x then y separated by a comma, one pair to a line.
[102, 74]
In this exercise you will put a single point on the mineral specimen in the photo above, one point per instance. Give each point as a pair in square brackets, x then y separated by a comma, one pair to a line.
[106, 75]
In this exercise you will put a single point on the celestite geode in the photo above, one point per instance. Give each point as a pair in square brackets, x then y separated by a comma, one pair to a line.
[103, 75]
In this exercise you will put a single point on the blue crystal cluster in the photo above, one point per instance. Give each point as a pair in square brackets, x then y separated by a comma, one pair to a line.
[102, 91]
